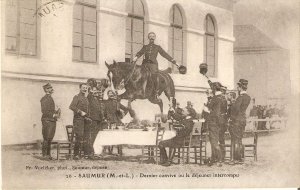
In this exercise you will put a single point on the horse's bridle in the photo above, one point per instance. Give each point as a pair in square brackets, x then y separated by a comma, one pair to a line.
[129, 77]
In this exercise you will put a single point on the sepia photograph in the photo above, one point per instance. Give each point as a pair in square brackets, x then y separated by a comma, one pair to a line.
[135, 94]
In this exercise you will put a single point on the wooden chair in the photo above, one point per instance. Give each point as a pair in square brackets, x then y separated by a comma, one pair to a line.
[194, 147]
[251, 148]
[152, 151]
[65, 148]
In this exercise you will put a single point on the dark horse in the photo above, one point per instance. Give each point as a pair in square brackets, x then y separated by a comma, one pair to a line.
[135, 77]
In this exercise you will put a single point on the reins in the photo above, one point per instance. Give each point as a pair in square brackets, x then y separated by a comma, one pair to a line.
[133, 70]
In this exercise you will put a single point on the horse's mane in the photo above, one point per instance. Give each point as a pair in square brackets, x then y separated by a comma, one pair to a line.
[124, 66]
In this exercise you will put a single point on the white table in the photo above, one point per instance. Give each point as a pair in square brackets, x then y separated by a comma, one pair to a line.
[131, 137]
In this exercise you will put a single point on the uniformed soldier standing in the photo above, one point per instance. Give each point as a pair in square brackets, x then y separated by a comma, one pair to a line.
[238, 120]
[214, 120]
[151, 51]
[49, 117]
[223, 121]
[95, 125]
[80, 107]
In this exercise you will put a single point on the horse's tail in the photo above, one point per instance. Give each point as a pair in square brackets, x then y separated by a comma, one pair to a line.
[171, 85]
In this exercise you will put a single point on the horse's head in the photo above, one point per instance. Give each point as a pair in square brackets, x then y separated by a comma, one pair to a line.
[117, 72]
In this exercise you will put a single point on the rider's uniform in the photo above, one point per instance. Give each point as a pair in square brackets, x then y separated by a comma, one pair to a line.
[150, 51]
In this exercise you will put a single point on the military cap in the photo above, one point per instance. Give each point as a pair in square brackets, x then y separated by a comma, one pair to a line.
[203, 65]
[182, 69]
[243, 82]
[217, 85]
[46, 86]
[203, 68]
[223, 88]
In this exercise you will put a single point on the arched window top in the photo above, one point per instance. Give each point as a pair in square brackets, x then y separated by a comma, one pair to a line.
[176, 16]
[135, 8]
[210, 25]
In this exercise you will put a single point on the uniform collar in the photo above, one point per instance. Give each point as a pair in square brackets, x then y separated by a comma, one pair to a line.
[218, 93]
[243, 92]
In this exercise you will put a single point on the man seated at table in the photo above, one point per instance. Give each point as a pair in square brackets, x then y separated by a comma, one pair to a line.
[178, 141]
[111, 109]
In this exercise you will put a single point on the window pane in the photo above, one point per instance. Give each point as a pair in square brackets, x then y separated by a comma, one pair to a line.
[210, 25]
[89, 41]
[90, 28]
[27, 46]
[138, 37]
[77, 26]
[177, 16]
[178, 45]
[128, 23]
[77, 11]
[28, 4]
[138, 25]
[27, 31]
[77, 41]
[90, 14]
[128, 36]
[128, 48]
[11, 29]
[27, 16]
[11, 11]
[76, 53]
[89, 55]
[138, 8]
[11, 43]
[178, 34]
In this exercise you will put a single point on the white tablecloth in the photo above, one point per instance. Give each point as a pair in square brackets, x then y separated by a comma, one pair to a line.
[121, 137]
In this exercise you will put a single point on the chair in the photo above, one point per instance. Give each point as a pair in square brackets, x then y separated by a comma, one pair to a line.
[251, 148]
[65, 148]
[152, 151]
[194, 146]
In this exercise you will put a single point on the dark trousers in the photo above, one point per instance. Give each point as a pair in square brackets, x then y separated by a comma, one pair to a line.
[90, 133]
[172, 143]
[223, 129]
[214, 131]
[48, 132]
[79, 127]
[237, 129]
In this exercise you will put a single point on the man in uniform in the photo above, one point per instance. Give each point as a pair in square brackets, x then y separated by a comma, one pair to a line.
[213, 121]
[80, 107]
[95, 125]
[238, 120]
[191, 110]
[178, 141]
[49, 117]
[151, 51]
[223, 121]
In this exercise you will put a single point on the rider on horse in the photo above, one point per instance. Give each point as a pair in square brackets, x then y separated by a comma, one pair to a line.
[150, 51]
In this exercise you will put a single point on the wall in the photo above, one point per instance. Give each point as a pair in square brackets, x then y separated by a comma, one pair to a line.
[267, 73]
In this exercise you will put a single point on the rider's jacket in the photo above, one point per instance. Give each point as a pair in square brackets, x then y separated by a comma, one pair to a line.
[150, 51]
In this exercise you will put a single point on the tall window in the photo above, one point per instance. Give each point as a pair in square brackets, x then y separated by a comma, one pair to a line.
[85, 31]
[21, 27]
[176, 36]
[210, 45]
[134, 28]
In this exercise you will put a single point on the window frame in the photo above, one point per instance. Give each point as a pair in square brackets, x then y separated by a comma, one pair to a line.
[18, 32]
[174, 26]
[81, 60]
[214, 35]
[133, 16]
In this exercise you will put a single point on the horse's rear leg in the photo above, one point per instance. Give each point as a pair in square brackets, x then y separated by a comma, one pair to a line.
[159, 102]
[170, 97]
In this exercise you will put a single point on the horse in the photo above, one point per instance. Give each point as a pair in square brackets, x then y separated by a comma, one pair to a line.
[136, 77]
